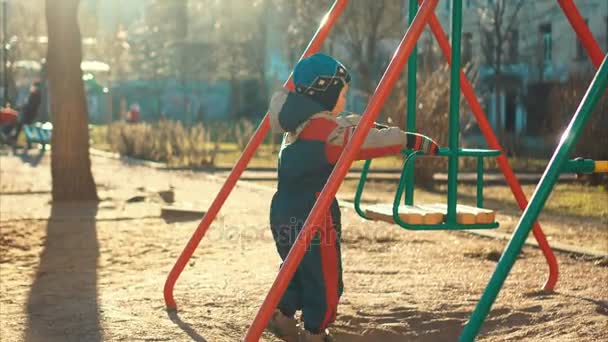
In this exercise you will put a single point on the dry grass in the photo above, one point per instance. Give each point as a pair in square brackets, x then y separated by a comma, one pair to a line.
[166, 141]
[146, 141]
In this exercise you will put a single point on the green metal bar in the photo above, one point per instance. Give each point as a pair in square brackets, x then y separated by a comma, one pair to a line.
[360, 187]
[402, 182]
[542, 192]
[443, 226]
[579, 165]
[469, 152]
[480, 182]
[454, 111]
[412, 66]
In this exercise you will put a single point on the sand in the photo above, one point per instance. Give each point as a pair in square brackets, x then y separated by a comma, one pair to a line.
[95, 271]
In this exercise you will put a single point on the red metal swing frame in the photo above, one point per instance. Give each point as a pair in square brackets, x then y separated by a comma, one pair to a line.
[425, 15]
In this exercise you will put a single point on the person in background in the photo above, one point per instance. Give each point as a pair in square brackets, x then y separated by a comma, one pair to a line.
[8, 118]
[133, 114]
[27, 114]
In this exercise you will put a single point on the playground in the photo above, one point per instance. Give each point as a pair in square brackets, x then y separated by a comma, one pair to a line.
[102, 246]
[93, 272]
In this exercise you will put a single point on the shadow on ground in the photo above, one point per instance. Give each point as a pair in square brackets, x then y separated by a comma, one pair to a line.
[187, 328]
[32, 159]
[400, 324]
[62, 303]
[601, 306]
[410, 324]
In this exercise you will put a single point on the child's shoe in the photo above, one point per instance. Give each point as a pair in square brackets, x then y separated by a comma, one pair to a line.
[307, 336]
[283, 327]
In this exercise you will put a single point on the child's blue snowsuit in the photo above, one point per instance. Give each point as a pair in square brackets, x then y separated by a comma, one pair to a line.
[313, 144]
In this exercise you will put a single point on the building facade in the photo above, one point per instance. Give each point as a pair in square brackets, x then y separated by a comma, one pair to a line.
[538, 49]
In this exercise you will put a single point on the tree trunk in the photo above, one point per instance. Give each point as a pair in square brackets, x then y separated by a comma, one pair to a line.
[498, 108]
[70, 161]
[500, 127]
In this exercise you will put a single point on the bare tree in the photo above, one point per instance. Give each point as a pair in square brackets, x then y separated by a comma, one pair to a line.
[356, 39]
[365, 25]
[240, 36]
[498, 21]
[305, 16]
[25, 34]
[70, 160]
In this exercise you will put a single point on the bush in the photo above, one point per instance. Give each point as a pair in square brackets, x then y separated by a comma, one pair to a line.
[432, 119]
[166, 141]
[564, 101]
[243, 131]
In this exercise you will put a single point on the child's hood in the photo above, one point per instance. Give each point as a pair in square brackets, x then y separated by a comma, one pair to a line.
[289, 110]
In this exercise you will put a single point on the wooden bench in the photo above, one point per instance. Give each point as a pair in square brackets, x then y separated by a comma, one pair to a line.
[38, 133]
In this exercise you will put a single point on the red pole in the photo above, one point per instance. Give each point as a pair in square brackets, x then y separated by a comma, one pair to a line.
[340, 170]
[315, 44]
[503, 163]
[582, 31]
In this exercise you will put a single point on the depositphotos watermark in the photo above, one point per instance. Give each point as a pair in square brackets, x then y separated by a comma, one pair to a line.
[285, 235]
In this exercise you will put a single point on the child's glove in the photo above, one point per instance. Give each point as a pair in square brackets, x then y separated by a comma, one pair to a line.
[419, 142]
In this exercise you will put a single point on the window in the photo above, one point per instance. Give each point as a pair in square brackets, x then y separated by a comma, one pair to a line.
[513, 46]
[448, 3]
[580, 50]
[488, 46]
[469, 3]
[510, 111]
[547, 41]
[467, 47]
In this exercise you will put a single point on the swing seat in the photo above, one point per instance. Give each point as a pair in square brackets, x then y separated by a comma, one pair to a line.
[408, 213]
[431, 214]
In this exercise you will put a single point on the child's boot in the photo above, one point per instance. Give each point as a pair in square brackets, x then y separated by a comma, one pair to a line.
[283, 327]
[307, 336]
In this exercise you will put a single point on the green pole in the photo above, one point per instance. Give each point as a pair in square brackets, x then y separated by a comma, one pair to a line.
[360, 187]
[542, 192]
[479, 182]
[5, 48]
[454, 111]
[579, 165]
[411, 105]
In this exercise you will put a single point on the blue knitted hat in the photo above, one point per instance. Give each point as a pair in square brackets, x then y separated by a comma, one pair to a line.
[321, 78]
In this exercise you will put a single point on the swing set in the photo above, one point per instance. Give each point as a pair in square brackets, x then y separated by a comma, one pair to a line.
[449, 216]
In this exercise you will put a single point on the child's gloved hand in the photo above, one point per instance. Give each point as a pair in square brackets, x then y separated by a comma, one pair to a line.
[422, 143]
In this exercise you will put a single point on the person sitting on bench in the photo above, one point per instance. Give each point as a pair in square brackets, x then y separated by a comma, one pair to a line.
[27, 115]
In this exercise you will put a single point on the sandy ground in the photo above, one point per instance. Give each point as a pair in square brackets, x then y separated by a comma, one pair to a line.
[92, 272]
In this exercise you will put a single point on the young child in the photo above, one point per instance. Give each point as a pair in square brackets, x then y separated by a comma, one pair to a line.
[315, 139]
